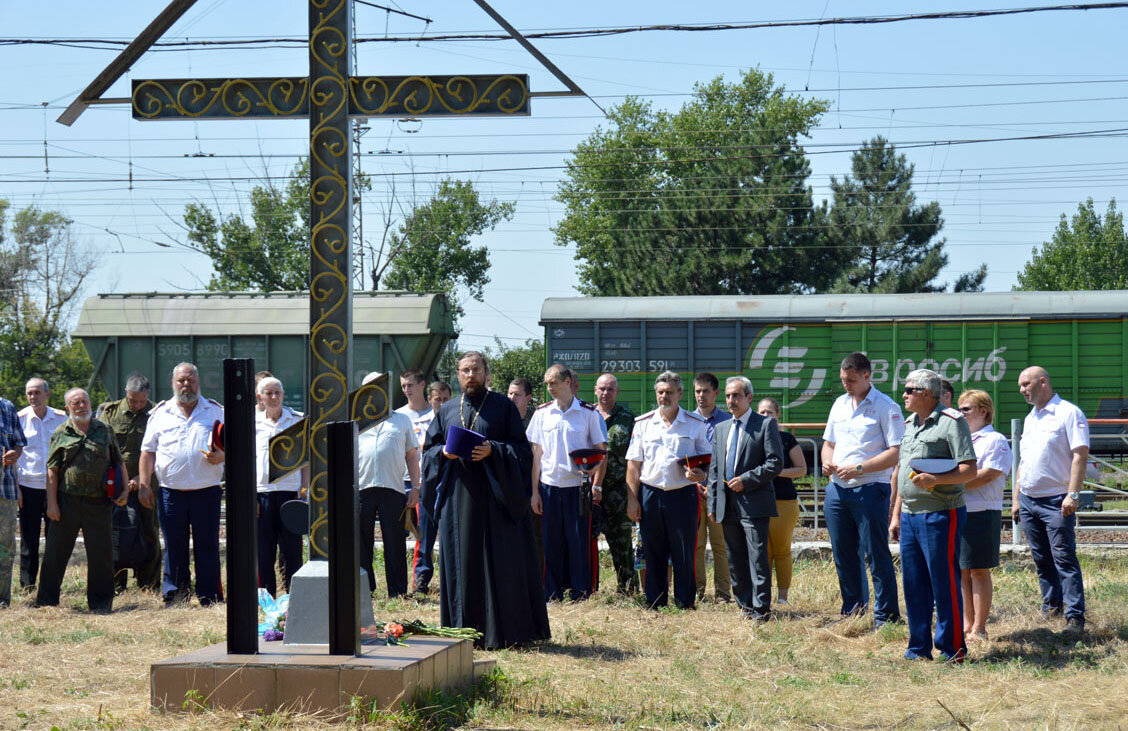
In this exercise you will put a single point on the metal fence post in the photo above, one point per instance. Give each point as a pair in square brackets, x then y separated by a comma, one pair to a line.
[815, 481]
[1016, 434]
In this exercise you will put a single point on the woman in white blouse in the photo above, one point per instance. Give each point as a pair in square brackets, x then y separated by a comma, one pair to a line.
[979, 546]
[273, 535]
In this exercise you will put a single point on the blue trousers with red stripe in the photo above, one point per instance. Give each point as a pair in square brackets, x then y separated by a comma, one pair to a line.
[930, 569]
[567, 544]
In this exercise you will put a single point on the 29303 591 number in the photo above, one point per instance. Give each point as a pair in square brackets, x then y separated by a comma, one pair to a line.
[628, 365]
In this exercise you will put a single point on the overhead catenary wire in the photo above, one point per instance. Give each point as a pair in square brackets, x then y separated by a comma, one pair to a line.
[595, 32]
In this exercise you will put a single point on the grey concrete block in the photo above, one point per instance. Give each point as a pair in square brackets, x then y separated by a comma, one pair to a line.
[307, 618]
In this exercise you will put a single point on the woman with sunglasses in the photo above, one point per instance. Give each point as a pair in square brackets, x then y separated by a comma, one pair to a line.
[781, 527]
[979, 550]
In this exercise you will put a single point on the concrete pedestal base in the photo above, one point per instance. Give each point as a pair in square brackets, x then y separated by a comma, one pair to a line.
[304, 678]
[307, 617]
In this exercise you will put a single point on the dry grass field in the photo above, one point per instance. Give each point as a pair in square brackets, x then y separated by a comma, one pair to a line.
[612, 663]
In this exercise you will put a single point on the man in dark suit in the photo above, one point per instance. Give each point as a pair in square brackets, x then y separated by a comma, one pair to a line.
[747, 455]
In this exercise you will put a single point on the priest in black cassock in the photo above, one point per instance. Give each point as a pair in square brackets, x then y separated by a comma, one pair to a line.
[488, 571]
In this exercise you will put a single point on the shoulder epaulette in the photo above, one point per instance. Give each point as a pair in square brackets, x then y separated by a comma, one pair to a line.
[58, 412]
[692, 415]
[104, 405]
[159, 404]
[647, 415]
[954, 413]
[546, 403]
[216, 403]
[586, 405]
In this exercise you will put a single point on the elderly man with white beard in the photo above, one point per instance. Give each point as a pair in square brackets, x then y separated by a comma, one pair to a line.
[180, 446]
[80, 452]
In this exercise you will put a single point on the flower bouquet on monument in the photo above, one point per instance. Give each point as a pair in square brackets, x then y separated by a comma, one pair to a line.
[394, 633]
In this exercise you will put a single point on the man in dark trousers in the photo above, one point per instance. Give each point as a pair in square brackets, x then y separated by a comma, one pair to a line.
[747, 456]
[81, 451]
[489, 576]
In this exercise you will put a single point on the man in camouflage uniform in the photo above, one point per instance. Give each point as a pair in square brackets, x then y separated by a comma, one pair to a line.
[616, 525]
[81, 451]
[127, 419]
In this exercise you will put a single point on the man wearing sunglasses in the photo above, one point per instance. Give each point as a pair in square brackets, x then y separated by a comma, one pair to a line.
[860, 447]
[929, 517]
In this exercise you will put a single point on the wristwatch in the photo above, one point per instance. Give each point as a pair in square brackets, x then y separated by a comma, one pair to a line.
[1073, 495]
[858, 468]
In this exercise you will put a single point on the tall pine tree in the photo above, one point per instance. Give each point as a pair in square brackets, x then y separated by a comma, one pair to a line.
[892, 242]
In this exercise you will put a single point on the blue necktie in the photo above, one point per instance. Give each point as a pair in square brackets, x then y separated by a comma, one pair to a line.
[730, 457]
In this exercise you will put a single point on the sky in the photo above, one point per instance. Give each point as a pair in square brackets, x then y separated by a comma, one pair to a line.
[970, 102]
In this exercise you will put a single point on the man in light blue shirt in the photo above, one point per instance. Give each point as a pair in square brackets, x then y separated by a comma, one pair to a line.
[12, 442]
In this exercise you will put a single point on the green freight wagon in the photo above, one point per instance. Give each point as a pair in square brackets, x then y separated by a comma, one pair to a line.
[151, 333]
[790, 346]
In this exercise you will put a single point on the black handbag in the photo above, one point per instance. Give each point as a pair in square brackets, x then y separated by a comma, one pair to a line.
[131, 545]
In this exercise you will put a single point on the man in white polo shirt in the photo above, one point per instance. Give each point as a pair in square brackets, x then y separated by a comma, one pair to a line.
[178, 446]
[385, 453]
[860, 448]
[39, 421]
[1051, 471]
[556, 429]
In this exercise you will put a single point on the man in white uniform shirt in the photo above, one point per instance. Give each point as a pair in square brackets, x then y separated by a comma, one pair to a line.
[385, 452]
[662, 494]
[419, 412]
[273, 535]
[1051, 471]
[39, 422]
[861, 445]
[178, 446]
[557, 428]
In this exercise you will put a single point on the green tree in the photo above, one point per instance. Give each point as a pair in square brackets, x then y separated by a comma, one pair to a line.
[1087, 252]
[432, 250]
[269, 254]
[43, 271]
[711, 199]
[890, 241]
[516, 361]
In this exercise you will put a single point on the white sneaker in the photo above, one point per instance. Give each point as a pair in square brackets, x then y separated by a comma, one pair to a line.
[783, 602]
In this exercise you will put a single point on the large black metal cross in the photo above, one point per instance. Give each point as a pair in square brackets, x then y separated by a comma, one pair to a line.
[329, 97]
